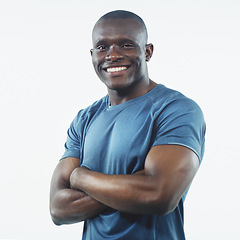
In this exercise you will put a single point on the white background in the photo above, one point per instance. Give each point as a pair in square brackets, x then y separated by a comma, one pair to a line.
[46, 76]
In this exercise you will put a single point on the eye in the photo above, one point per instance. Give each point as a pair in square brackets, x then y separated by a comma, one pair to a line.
[128, 46]
[101, 47]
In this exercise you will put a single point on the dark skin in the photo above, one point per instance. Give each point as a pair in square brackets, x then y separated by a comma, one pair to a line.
[120, 55]
[68, 205]
[122, 43]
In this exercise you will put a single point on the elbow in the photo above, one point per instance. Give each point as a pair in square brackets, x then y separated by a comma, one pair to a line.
[166, 208]
[61, 217]
[162, 205]
[57, 220]
[58, 216]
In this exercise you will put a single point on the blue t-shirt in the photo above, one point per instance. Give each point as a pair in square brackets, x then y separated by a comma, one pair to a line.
[116, 140]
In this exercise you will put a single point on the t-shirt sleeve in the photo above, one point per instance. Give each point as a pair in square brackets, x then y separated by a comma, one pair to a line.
[181, 123]
[74, 138]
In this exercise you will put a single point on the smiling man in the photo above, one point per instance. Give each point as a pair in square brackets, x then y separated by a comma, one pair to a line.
[131, 156]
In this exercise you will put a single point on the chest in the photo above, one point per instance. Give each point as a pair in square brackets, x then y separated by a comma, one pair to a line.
[118, 142]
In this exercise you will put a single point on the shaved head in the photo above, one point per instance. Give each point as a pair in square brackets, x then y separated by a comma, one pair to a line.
[121, 14]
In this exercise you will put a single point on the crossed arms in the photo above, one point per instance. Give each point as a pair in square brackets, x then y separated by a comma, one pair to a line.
[78, 194]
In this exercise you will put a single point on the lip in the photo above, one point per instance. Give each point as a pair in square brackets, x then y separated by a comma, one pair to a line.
[116, 69]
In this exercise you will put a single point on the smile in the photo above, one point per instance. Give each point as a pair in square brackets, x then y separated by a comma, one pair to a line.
[115, 69]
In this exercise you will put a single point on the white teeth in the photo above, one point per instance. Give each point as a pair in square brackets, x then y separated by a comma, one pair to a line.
[116, 69]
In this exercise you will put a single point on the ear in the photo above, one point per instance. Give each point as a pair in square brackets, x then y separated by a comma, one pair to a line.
[91, 51]
[149, 51]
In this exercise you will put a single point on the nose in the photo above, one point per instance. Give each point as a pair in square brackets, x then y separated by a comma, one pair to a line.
[113, 54]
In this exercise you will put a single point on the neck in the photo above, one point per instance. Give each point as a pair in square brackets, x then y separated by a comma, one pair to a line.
[118, 96]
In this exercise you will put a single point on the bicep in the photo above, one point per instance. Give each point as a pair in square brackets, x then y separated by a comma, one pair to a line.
[61, 175]
[173, 167]
[68, 205]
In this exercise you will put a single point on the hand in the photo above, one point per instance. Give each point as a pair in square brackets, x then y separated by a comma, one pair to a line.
[77, 175]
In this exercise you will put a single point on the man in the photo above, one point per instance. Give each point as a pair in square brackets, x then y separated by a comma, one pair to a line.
[131, 156]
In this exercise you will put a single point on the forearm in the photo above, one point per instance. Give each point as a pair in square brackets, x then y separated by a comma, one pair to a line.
[130, 193]
[71, 206]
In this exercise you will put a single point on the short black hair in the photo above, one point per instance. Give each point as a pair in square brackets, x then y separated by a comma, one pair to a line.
[123, 14]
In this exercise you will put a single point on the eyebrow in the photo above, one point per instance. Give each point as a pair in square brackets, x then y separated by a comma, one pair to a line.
[100, 42]
[119, 41]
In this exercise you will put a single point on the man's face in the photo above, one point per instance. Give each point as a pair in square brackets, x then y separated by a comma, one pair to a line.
[118, 54]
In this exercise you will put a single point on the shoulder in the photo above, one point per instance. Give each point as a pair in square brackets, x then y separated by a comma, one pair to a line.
[169, 101]
[89, 112]
[179, 120]
[173, 110]
[92, 109]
